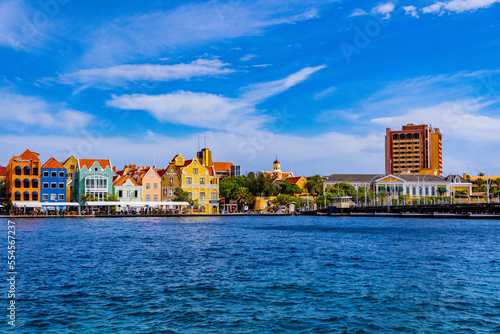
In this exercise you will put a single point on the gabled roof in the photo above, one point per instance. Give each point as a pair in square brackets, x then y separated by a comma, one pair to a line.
[162, 171]
[3, 171]
[122, 179]
[187, 162]
[27, 156]
[52, 163]
[293, 179]
[222, 166]
[89, 162]
[65, 161]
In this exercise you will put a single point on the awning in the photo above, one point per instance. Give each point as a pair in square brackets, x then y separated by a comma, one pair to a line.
[390, 188]
[442, 189]
[27, 204]
[139, 204]
[400, 188]
[381, 188]
[60, 204]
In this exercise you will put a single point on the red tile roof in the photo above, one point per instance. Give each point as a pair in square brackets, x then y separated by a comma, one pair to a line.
[3, 171]
[222, 166]
[89, 162]
[293, 179]
[162, 172]
[52, 163]
[173, 159]
[122, 179]
[187, 162]
[27, 156]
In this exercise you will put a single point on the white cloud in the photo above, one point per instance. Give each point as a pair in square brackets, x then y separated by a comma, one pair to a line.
[211, 111]
[259, 92]
[458, 6]
[327, 92]
[159, 32]
[384, 9]
[19, 111]
[358, 12]
[248, 57]
[458, 119]
[411, 10]
[118, 75]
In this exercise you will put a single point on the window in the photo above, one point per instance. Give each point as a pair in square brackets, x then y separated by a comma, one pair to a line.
[53, 197]
[189, 180]
[61, 185]
[128, 193]
[53, 185]
[148, 198]
[155, 198]
[420, 191]
[26, 196]
[17, 183]
[202, 195]
[53, 174]
[150, 174]
[416, 136]
[170, 180]
[395, 136]
[26, 170]
[213, 196]
[17, 196]
[190, 195]
[165, 192]
[202, 180]
[148, 185]
[120, 193]
[171, 192]
[34, 183]
[408, 190]
[96, 169]
[26, 183]
[45, 197]
[426, 191]
[45, 174]
[61, 197]
[195, 171]
[34, 196]
[433, 191]
[136, 194]
[155, 185]
[35, 171]
[414, 191]
[61, 174]
[18, 172]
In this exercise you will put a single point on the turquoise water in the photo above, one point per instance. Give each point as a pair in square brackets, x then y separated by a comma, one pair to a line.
[255, 275]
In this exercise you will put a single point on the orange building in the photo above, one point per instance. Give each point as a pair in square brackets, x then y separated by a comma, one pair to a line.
[412, 149]
[23, 178]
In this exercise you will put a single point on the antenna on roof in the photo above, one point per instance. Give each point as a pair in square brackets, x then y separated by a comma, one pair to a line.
[154, 159]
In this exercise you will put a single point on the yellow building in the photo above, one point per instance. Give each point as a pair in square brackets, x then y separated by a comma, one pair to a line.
[70, 165]
[200, 182]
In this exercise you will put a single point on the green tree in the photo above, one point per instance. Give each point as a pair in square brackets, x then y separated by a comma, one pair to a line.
[243, 195]
[229, 185]
[182, 196]
[383, 196]
[314, 185]
[88, 198]
[288, 188]
[286, 200]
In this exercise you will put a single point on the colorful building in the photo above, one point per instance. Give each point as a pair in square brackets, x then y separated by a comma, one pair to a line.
[171, 178]
[127, 189]
[151, 184]
[53, 182]
[277, 174]
[93, 177]
[412, 149]
[23, 178]
[70, 164]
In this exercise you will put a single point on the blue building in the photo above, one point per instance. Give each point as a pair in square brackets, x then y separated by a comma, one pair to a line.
[53, 182]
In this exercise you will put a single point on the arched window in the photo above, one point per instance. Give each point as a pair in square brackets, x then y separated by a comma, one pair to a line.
[416, 136]
[17, 196]
[395, 136]
[26, 170]
[426, 191]
[26, 183]
[407, 190]
[34, 195]
[409, 136]
[34, 183]
[420, 191]
[18, 170]
[17, 183]
[202, 209]
[26, 196]
[414, 191]
[433, 191]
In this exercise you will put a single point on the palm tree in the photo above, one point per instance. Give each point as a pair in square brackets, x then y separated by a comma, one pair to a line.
[243, 195]
[383, 196]
[497, 182]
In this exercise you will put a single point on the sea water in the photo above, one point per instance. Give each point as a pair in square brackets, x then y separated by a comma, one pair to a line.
[254, 274]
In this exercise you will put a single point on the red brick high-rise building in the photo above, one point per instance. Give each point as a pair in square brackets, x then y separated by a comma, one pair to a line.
[413, 149]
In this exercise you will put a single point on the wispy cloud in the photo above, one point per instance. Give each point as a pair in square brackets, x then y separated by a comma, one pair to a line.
[327, 92]
[158, 32]
[458, 6]
[20, 111]
[248, 57]
[118, 75]
[384, 9]
[358, 12]
[211, 111]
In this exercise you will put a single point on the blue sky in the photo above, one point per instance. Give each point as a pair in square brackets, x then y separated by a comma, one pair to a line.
[314, 82]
